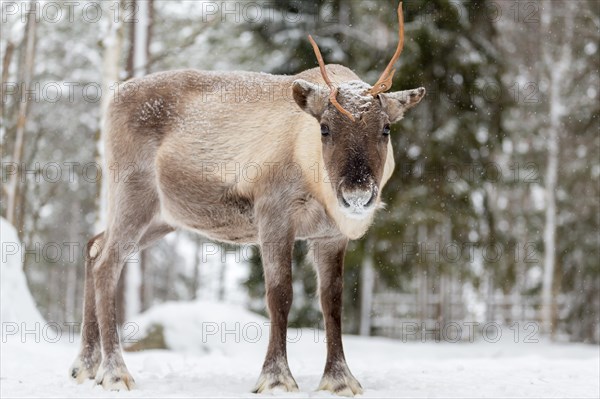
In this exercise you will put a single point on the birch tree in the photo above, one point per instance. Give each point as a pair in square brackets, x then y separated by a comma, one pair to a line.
[112, 49]
[137, 64]
[367, 288]
[557, 59]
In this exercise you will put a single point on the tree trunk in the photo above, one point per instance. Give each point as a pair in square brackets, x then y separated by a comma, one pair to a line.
[222, 281]
[557, 68]
[550, 226]
[141, 46]
[197, 263]
[111, 67]
[6, 60]
[367, 288]
[71, 285]
[149, 33]
[134, 288]
[132, 277]
[423, 283]
[143, 282]
[14, 191]
[131, 49]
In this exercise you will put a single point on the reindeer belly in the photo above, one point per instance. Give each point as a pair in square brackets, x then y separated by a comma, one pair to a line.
[229, 220]
[210, 206]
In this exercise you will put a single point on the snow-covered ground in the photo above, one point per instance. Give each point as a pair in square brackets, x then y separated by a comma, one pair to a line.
[217, 351]
[222, 358]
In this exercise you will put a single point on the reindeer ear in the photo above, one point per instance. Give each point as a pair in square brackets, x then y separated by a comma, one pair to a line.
[395, 104]
[310, 97]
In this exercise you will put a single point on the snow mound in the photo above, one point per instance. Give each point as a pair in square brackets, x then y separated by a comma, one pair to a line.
[17, 304]
[197, 326]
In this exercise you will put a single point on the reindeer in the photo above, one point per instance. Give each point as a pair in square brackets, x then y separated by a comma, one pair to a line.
[320, 153]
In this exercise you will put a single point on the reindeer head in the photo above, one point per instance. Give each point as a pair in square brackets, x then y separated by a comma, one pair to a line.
[355, 123]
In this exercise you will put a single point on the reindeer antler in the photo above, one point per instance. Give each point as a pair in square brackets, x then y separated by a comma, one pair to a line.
[334, 90]
[385, 81]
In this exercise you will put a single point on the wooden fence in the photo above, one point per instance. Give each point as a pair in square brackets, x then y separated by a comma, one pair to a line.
[453, 317]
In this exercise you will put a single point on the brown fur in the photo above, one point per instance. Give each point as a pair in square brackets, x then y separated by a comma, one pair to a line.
[238, 157]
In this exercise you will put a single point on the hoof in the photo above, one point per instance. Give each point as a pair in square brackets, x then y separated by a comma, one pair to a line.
[84, 368]
[80, 373]
[341, 383]
[115, 378]
[269, 383]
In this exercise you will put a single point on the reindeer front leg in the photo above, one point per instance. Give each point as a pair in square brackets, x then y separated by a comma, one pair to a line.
[277, 242]
[328, 257]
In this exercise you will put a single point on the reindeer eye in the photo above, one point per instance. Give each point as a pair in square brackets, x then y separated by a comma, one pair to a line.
[386, 130]
[324, 130]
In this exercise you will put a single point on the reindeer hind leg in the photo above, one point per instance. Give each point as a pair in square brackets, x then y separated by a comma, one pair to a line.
[135, 208]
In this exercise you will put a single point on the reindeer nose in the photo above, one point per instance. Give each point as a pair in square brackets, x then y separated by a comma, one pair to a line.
[357, 198]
